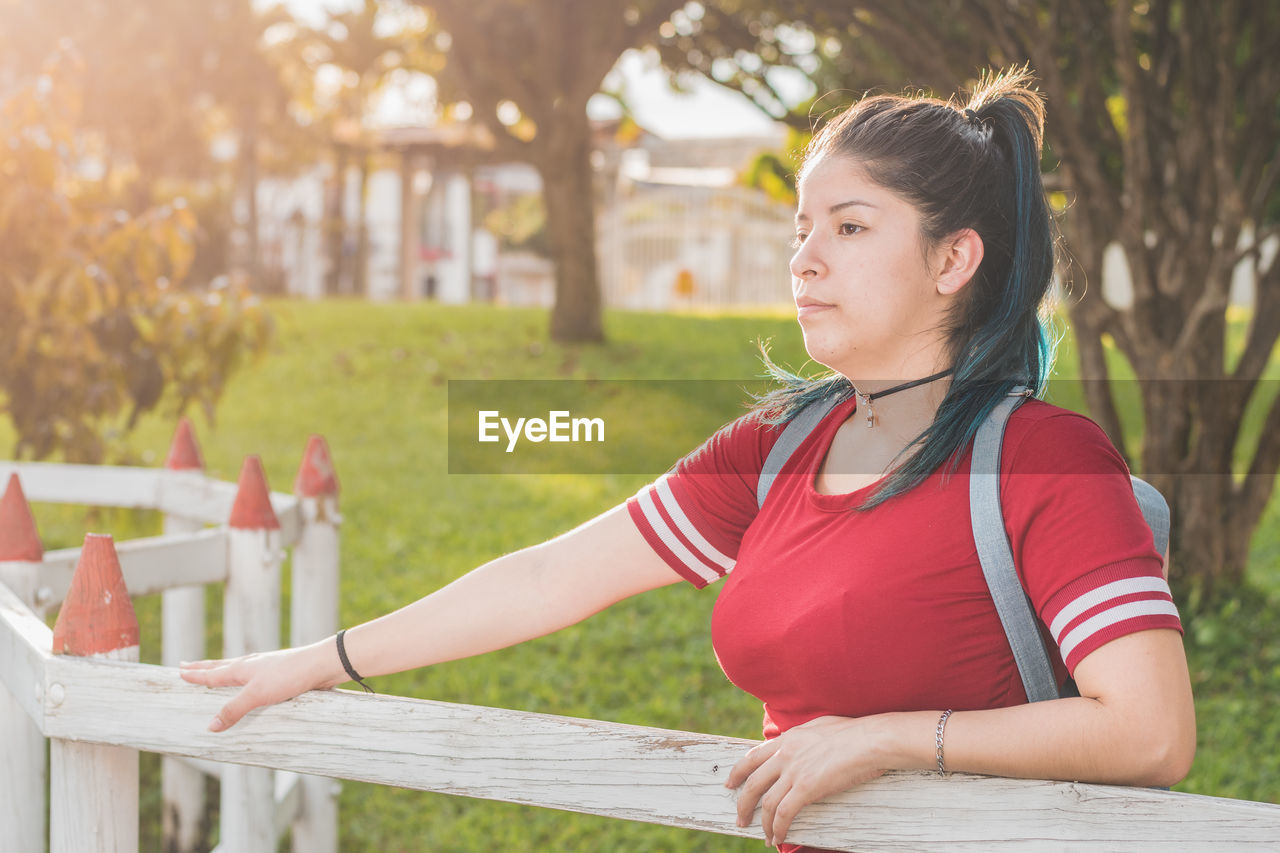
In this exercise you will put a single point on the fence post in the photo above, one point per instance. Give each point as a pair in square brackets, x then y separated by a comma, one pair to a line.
[314, 616]
[251, 623]
[182, 638]
[93, 794]
[23, 773]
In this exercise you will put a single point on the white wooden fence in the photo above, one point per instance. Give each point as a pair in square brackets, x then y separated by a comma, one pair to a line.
[93, 797]
[276, 766]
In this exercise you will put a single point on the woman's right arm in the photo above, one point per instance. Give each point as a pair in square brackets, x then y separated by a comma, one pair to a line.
[514, 598]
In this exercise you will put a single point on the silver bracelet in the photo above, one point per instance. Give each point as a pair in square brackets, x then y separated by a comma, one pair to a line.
[937, 740]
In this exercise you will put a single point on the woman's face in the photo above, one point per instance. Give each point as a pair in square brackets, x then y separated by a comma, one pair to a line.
[865, 296]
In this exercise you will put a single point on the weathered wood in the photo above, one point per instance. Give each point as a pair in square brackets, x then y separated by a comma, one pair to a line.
[93, 788]
[25, 642]
[248, 811]
[192, 495]
[314, 600]
[23, 771]
[185, 493]
[182, 638]
[314, 616]
[25, 581]
[654, 775]
[93, 798]
[150, 565]
[288, 799]
[206, 767]
[251, 623]
[23, 777]
[288, 796]
[251, 606]
[95, 485]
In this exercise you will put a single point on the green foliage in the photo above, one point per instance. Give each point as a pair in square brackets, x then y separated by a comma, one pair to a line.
[520, 225]
[93, 312]
[1233, 650]
[775, 172]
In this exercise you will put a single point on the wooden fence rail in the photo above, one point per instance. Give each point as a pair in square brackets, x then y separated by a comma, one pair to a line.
[655, 775]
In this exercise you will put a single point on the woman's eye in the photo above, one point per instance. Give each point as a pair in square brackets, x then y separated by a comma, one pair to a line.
[847, 228]
[798, 240]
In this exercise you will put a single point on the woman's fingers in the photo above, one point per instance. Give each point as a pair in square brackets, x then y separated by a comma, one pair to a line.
[187, 665]
[266, 678]
[761, 780]
[746, 765]
[214, 673]
[780, 813]
[807, 763]
[232, 712]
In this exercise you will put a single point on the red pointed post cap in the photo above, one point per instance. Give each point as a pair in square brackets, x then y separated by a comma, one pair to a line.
[97, 616]
[316, 476]
[184, 452]
[19, 541]
[252, 509]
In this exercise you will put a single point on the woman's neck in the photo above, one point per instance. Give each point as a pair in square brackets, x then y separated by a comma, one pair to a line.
[906, 413]
[908, 410]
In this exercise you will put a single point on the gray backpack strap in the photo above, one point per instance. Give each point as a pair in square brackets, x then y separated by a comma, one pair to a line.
[996, 555]
[1155, 509]
[793, 435]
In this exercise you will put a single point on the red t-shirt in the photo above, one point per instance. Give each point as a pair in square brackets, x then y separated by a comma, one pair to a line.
[829, 610]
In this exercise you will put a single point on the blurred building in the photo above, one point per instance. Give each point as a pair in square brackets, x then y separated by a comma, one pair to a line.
[673, 228]
[676, 229]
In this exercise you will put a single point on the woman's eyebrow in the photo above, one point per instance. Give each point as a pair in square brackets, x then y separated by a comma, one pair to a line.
[835, 208]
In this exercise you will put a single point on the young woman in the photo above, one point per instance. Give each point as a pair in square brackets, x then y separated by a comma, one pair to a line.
[856, 609]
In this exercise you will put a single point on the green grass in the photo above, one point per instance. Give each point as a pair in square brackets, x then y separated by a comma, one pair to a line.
[372, 379]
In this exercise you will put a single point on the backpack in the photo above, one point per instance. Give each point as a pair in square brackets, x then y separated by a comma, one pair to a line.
[994, 552]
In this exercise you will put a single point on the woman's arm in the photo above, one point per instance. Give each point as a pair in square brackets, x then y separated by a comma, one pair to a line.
[1133, 724]
[517, 597]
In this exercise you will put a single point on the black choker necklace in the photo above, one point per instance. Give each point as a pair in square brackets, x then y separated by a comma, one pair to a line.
[864, 400]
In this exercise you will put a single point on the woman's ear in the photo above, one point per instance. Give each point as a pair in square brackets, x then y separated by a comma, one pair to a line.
[957, 260]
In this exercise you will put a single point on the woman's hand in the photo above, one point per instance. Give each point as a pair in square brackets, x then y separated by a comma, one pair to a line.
[803, 765]
[266, 678]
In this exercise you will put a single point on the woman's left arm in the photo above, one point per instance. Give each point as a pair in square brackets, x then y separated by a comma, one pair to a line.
[1133, 724]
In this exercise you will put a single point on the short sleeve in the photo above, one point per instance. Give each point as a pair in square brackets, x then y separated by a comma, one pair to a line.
[1080, 542]
[695, 515]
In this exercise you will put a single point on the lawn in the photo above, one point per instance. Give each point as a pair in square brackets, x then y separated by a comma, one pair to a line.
[374, 380]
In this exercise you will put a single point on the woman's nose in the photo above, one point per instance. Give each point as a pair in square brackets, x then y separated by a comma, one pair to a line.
[805, 262]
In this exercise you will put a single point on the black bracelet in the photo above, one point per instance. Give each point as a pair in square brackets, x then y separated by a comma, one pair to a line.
[346, 664]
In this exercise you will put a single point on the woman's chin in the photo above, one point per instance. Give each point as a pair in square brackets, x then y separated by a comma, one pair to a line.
[823, 354]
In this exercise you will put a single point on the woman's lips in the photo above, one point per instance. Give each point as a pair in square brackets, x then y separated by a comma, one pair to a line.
[806, 309]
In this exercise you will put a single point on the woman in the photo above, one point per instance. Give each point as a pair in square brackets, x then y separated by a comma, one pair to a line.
[856, 608]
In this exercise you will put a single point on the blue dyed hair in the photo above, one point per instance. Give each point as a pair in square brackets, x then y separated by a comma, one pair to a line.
[976, 166]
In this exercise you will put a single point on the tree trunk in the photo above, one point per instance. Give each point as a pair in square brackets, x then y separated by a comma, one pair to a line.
[568, 190]
[336, 223]
[1212, 546]
[1087, 323]
[361, 273]
[249, 186]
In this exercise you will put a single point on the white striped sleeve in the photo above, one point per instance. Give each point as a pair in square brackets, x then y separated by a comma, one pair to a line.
[1104, 605]
[668, 528]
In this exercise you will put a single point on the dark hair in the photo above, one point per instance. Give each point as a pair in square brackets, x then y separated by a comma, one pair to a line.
[976, 166]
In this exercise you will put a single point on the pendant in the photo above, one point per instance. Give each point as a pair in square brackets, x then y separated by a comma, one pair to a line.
[864, 400]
